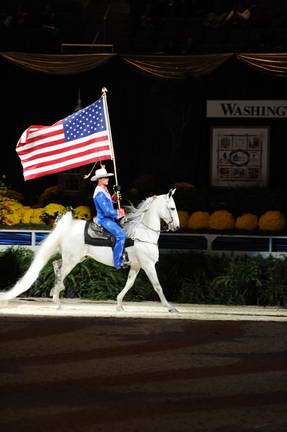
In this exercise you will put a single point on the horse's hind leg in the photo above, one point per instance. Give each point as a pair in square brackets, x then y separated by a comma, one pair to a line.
[152, 275]
[129, 283]
[62, 268]
[57, 265]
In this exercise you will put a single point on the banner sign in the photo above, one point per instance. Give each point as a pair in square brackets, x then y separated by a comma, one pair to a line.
[247, 108]
[239, 156]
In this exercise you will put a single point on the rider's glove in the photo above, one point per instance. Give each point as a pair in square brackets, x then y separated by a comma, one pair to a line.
[116, 188]
[121, 212]
[116, 197]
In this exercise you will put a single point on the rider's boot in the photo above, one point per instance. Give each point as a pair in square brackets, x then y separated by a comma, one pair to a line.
[126, 263]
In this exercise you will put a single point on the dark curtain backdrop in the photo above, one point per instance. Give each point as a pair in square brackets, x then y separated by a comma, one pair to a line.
[159, 125]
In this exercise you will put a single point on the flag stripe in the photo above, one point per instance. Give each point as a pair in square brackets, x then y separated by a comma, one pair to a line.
[45, 130]
[48, 145]
[43, 151]
[34, 138]
[31, 143]
[79, 139]
[42, 144]
[48, 161]
[32, 134]
[54, 170]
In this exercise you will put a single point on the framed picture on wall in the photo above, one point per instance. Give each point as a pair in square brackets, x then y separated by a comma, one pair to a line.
[240, 156]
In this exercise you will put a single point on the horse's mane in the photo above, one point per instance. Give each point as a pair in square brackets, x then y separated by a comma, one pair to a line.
[134, 215]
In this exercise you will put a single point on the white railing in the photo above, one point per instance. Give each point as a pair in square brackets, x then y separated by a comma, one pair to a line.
[209, 243]
[23, 238]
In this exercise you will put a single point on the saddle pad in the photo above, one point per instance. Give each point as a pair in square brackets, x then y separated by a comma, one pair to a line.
[101, 237]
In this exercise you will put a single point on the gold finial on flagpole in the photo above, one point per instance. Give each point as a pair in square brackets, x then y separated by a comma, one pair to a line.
[79, 104]
[104, 91]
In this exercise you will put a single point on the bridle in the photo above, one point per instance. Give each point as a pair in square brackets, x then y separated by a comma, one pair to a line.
[156, 231]
[168, 224]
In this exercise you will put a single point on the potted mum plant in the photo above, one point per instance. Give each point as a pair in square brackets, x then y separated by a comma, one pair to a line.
[51, 211]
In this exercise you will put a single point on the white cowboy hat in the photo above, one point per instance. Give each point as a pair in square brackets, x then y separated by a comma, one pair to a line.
[101, 173]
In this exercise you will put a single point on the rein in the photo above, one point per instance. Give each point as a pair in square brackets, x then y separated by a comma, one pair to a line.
[168, 224]
[156, 231]
[159, 231]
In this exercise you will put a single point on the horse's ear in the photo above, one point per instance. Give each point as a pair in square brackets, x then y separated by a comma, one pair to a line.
[171, 192]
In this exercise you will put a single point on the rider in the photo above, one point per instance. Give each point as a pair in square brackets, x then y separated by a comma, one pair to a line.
[107, 216]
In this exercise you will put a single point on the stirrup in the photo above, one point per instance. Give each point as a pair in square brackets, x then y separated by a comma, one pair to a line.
[96, 227]
[126, 263]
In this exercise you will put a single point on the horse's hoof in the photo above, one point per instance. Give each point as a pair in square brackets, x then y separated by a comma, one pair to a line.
[120, 309]
[58, 305]
[173, 310]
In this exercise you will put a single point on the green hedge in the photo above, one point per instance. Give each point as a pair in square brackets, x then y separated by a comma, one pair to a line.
[192, 277]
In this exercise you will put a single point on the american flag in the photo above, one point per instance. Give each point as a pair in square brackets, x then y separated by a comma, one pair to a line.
[79, 139]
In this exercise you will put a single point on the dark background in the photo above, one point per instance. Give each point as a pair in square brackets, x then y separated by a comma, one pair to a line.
[159, 126]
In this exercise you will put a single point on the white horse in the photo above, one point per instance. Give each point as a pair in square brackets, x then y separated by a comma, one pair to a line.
[142, 224]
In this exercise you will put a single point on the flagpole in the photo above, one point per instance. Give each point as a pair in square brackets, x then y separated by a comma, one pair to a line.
[104, 95]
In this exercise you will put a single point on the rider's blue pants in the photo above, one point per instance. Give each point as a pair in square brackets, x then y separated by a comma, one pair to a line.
[120, 236]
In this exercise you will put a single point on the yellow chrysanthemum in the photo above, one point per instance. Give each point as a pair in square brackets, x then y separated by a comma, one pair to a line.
[198, 220]
[3, 215]
[247, 221]
[27, 215]
[53, 209]
[12, 219]
[272, 221]
[5, 210]
[82, 212]
[183, 218]
[12, 204]
[10, 211]
[221, 220]
[36, 216]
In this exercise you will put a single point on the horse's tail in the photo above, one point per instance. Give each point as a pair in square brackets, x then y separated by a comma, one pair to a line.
[48, 248]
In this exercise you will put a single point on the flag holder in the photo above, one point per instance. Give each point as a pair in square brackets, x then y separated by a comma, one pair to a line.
[104, 95]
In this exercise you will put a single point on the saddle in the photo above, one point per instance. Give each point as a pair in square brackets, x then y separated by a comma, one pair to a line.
[97, 235]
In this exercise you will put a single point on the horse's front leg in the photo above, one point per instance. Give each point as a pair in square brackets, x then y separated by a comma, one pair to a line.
[129, 283]
[152, 275]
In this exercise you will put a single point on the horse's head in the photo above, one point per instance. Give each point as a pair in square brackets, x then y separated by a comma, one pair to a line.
[169, 212]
